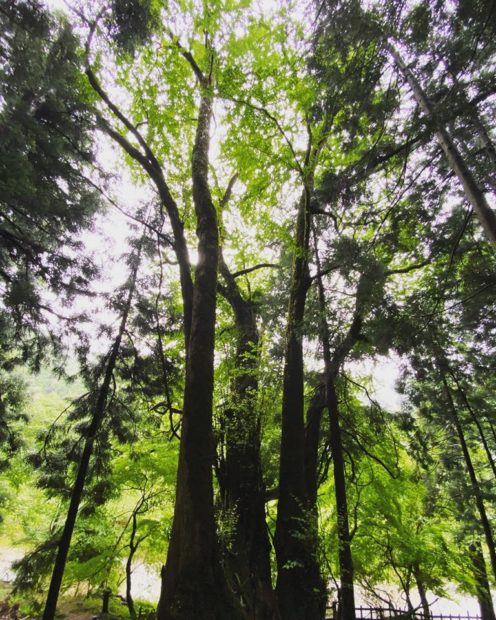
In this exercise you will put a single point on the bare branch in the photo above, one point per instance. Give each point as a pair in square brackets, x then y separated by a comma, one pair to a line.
[243, 272]
[228, 193]
[189, 57]
[409, 268]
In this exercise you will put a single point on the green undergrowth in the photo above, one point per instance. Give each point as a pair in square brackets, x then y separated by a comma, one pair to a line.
[74, 607]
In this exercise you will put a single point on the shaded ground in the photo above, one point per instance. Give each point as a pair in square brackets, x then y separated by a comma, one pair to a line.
[69, 609]
[146, 585]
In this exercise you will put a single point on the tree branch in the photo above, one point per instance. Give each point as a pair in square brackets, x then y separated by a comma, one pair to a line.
[228, 193]
[124, 120]
[278, 125]
[243, 272]
[189, 57]
[409, 268]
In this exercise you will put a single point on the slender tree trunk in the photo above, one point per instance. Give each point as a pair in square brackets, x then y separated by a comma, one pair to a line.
[332, 364]
[347, 593]
[312, 437]
[300, 589]
[133, 546]
[493, 430]
[473, 193]
[193, 583]
[481, 581]
[248, 560]
[409, 603]
[486, 526]
[474, 418]
[421, 590]
[78, 488]
[107, 593]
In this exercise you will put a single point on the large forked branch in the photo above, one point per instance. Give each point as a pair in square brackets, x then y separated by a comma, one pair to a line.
[147, 160]
[226, 273]
[124, 120]
[189, 57]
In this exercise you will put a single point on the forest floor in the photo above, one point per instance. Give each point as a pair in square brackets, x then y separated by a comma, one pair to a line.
[76, 608]
[70, 607]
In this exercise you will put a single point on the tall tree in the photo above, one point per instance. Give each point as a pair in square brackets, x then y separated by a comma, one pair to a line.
[240, 477]
[91, 435]
[193, 582]
[46, 202]
[299, 586]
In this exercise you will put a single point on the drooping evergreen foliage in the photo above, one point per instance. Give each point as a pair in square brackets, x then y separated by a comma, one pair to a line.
[45, 200]
[45, 143]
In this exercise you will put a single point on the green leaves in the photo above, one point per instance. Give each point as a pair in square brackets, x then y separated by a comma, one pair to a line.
[130, 23]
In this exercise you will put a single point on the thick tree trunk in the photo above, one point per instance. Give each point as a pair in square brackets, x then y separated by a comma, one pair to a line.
[472, 191]
[300, 589]
[248, 559]
[193, 583]
[481, 581]
[476, 491]
[78, 488]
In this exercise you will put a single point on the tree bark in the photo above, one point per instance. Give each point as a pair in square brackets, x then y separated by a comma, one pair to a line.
[300, 589]
[78, 488]
[347, 593]
[133, 545]
[473, 193]
[107, 593]
[242, 488]
[331, 369]
[312, 438]
[193, 583]
[421, 590]
[481, 581]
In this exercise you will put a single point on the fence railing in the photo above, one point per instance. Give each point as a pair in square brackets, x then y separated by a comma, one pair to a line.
[389, 613]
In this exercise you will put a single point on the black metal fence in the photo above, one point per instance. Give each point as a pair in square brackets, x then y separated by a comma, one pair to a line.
[389, 613]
